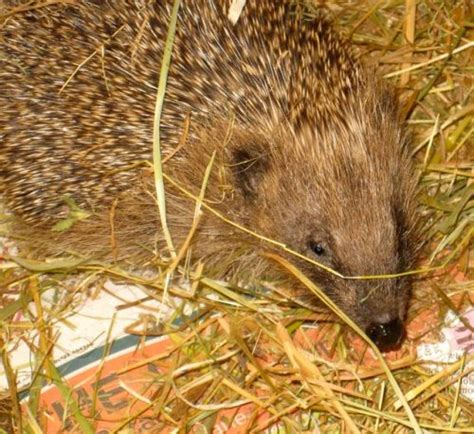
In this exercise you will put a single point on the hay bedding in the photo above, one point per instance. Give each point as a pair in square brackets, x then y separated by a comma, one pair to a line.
[225, 359]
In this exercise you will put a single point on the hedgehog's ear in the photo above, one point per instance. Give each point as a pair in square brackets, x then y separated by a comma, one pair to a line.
[249, 163]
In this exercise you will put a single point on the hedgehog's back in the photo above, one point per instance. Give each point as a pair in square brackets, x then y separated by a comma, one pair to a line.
[79, 87]
[62, 139]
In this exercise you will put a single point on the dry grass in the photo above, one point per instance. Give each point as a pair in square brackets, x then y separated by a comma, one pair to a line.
[257, 349]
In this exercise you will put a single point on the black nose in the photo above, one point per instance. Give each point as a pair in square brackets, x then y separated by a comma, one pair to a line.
[387, 335]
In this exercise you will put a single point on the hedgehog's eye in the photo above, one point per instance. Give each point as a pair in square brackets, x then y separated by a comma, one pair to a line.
[317, 248]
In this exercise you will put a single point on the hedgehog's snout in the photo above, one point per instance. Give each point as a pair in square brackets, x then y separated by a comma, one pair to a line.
[386, 336]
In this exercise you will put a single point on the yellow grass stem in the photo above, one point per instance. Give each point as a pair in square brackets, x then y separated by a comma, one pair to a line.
[454, 410]
[32, 5]
[11, 381]
[220, 406]
[189, 367]
[380, 405]
[409, 31]
[32, 423]
[452, 172]
[368, 14]
[98, 50]
[468, 110]
[466, 46]
[160, 97]
[413, 393]
[196, 217]
[446, 384]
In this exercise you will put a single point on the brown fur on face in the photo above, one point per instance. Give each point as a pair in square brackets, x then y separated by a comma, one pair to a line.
[310, 151]
[348, 189]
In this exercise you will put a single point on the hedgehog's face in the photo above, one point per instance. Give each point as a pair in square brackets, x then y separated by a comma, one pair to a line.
[353, 225]
[354, 248]
[378, 306]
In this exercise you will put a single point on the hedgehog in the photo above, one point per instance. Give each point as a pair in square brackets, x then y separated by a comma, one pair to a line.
[309, 147]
